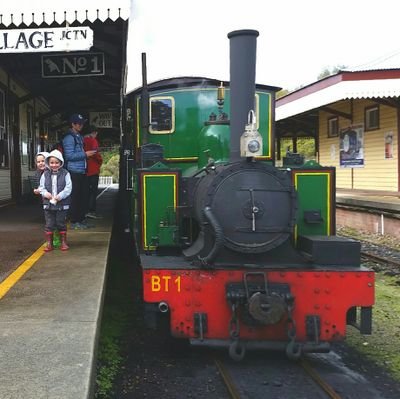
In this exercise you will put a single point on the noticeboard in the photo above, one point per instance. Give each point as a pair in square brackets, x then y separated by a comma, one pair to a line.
[101, 119]
[72, 65]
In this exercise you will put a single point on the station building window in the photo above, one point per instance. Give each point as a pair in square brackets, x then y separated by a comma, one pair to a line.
[4, 154]
[162, 115]
[333, 127]
[371, 117]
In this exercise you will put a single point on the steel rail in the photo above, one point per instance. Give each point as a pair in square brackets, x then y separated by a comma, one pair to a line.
[227, 380]
[369, 255]
[380, 259]
[320, 382]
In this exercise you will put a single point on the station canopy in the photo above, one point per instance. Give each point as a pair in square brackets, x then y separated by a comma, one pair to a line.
[69, 87]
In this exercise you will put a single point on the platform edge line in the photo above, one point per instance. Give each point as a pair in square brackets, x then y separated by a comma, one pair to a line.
[17, 274]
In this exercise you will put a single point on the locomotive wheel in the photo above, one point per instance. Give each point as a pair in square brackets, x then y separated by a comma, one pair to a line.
[267, 309]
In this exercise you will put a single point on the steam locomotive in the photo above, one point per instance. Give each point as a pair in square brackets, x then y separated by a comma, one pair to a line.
[237, 252]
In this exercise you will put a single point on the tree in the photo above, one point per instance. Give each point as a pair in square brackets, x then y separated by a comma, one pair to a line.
[332, 71]
[110, 166]
[282, 93]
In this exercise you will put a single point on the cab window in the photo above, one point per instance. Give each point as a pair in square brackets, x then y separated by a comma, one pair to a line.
[162, 115]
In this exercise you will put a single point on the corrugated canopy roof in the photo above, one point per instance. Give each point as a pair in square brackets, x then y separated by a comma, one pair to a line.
[71, 93]
[30, 12]
[342, 90]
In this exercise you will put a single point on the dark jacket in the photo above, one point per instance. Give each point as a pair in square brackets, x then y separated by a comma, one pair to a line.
[74, 154]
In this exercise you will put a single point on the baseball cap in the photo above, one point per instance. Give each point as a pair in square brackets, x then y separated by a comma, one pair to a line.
[77, 118]
[93, 128]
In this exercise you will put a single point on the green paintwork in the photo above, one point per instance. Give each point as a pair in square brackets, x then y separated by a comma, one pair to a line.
[184, 149]
[193, 107]
[312, 192]
[311, 164]
[167, 236]
[159, 196]
[213, 143]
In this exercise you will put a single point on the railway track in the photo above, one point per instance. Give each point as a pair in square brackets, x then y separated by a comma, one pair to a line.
[226, 377]
[372, 251]
[377, 258]
[316, 387]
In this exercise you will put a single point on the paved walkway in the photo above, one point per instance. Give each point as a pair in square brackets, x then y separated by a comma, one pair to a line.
[370, 199]
[49, 319]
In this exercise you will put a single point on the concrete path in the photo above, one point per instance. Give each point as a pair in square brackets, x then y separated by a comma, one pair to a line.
[49, 319]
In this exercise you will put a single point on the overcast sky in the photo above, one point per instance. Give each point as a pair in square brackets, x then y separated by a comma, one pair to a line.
[298, 39]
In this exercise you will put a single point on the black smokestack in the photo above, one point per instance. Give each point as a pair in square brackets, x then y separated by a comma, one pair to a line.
[242, 85]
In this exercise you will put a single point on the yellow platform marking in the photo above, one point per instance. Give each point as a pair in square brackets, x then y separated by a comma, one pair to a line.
[12, 279]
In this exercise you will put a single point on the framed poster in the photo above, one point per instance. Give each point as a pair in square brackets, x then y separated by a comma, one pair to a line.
[388, 145]
[352, 147]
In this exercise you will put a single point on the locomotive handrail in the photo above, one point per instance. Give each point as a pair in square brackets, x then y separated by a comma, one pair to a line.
[205, 168]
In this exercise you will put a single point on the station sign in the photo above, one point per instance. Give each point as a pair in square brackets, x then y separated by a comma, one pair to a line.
[46, 39]
[72, 64]
[101, 119]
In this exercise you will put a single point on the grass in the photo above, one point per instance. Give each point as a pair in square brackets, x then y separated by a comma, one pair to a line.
[383, 346]
[118, 315]
[109, 356]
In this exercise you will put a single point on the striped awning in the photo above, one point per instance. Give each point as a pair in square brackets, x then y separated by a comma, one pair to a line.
[29, 12]
[376, 88]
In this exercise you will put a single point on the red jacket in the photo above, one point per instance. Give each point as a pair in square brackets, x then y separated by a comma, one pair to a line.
[94, 162]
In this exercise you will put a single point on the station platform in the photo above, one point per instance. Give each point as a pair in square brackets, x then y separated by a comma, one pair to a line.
[369, 199]
[50, 310]
[369, 211]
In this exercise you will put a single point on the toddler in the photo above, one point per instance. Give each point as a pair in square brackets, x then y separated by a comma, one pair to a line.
[55, 188]
[40, 168]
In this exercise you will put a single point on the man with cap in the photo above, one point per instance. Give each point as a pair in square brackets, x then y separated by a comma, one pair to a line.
[75, 162]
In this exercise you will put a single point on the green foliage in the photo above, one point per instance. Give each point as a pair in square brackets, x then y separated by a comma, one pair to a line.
[282, 93]
[116, 324]
[305, 146]
[110, 166]
[107, 155]
[110, 358]
[331, 71]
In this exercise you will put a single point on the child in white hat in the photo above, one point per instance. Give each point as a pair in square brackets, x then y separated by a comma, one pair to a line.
[55, 188]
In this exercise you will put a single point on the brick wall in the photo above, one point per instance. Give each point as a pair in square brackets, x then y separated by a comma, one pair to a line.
[369, 222]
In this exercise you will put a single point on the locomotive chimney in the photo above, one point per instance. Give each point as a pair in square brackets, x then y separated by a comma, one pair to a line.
[242, 84]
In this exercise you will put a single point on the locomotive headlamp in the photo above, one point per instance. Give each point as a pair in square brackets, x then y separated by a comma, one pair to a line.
[253, 146]
[251, 140]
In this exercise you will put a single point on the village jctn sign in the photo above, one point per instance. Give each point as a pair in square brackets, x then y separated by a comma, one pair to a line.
[46, 39]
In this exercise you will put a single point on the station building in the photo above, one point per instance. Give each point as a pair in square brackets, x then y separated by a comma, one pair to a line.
[54, 64]
[354, 119]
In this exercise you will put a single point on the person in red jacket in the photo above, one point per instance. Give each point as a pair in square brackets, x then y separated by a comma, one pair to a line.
[90, 143]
